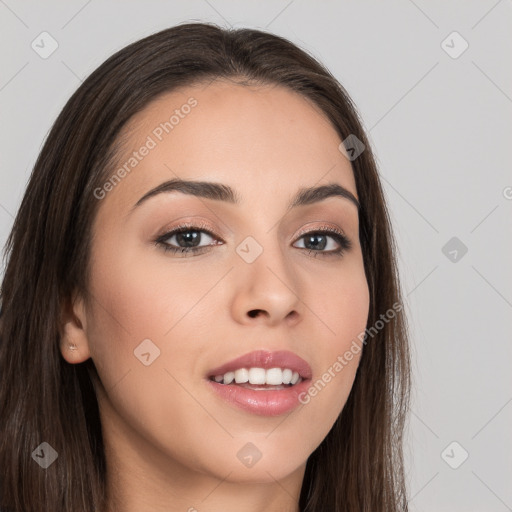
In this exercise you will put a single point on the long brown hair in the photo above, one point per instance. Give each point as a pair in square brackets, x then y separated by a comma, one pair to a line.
[358, 466]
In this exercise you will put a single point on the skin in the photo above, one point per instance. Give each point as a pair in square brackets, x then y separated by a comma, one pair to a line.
[171, 443]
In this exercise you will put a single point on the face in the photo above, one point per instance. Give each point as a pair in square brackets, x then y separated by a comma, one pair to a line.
[247, 275]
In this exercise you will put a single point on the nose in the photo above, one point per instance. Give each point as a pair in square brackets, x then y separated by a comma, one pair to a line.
[267, 291]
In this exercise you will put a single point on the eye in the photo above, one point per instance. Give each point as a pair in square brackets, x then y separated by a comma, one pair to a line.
[186, 238]
[316, 241]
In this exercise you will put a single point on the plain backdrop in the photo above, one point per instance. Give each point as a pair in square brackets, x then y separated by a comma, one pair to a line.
[433, 83]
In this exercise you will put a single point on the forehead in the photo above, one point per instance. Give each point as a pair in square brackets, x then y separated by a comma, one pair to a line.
[245, 136]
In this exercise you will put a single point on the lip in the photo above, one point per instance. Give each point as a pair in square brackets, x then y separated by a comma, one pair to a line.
[263, 402]
[265, 359]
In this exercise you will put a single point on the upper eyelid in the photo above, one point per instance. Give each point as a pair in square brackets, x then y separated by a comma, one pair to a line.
[323, 227]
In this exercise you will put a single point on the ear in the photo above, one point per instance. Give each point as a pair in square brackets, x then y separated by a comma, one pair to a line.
[74, 345]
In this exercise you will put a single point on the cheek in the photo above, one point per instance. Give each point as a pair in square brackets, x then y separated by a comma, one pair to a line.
[340, 302]
[134, 310]
[139, 298]
[341, 307]
[142, 343]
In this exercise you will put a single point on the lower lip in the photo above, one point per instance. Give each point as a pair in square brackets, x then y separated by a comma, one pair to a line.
[263, 402]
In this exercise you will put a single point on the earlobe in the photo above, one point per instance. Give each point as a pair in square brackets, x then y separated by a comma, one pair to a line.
[74, 345]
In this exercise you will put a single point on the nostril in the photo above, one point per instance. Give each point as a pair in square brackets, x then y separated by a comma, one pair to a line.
[254, 312]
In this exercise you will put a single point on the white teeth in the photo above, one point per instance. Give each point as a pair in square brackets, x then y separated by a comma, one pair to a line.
[255, 376]
[274, 376]
[229, 377]
[241, 376]
[287, 376]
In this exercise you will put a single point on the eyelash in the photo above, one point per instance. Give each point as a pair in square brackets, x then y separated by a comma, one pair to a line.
[344, 243]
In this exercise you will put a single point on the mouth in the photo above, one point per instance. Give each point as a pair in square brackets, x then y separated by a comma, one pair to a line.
[262, 382]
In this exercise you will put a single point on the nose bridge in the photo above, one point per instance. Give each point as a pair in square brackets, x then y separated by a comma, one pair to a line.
[264, 255]
[265, 278]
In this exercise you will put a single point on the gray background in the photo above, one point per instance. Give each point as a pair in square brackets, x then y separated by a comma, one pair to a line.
[441, 129]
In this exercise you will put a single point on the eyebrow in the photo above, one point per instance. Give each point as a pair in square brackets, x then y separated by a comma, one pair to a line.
[221, 192]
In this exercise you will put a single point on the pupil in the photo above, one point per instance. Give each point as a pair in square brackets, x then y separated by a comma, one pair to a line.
[320, 245]
[190, 238]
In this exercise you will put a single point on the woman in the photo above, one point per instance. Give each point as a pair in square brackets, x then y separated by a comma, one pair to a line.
[201, 307]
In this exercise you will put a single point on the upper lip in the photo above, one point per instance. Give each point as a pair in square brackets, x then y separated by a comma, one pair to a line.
[266, 359]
